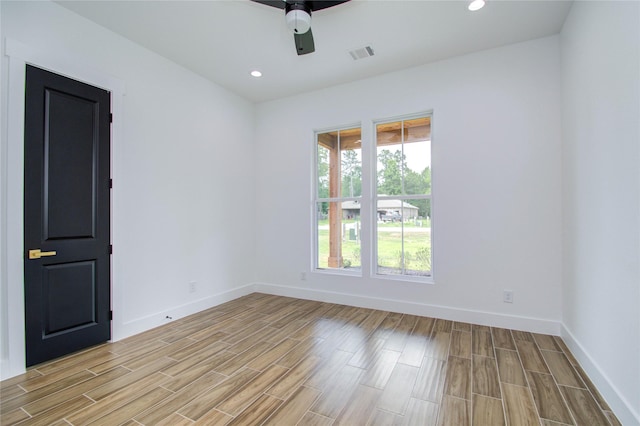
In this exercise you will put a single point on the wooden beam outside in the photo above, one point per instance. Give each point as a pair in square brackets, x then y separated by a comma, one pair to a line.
[335, 211]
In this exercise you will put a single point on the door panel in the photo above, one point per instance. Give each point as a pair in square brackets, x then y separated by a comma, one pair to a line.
[66, 213]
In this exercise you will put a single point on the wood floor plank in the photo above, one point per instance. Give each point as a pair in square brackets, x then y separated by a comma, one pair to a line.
[592, 388]
[398, 339]
[419, 412]
[454, 412]
[321, 377]
[240, 360]
[59, 412]
[429, 384]
[263, 360]
[367, 353]
[177, 400]
[502, 339]
[114, 400]
[546, 342]
[13, 417]
[298, 353]
[531, 357]
[485, 377]
[133, 408]
[249, 392]
[487, 411]
[481, 342]
[285, 361]
[132, 378]
[547, 397]
[196, 346]
[379, 372]
[397, 392]
[462, 326]
[360, 407]
[338, 392]
[55, 398]
[383, 418]
[460, 344]
[522, 335]
[443, 326]
[519, 407]
[207, 401]
[387, 326]
[509, 367]
[294, 409]
[438, 345]
[313, 419]
[29, 398]
[424, 326]
[562, 369]
[177, 420]
[413, 351]
[295, 377]
[458, 379]
[215, 355]
[583, 406]
[257, 412]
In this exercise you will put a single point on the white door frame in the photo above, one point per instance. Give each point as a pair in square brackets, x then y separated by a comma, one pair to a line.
[12, 356]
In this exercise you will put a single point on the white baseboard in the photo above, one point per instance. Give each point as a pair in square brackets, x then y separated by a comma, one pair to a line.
[623, 409]
[535, 325]
[139, 325]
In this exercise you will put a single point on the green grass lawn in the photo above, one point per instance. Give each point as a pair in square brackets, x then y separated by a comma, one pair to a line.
[417, 250]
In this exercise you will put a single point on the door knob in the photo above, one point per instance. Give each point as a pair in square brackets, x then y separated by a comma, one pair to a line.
[37, 254]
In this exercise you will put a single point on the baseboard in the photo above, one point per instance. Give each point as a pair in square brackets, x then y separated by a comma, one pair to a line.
[535, 325]
[623, 409]
[139, 325]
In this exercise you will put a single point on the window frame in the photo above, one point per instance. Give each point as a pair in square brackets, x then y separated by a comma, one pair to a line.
[375, 197]
[315, 267]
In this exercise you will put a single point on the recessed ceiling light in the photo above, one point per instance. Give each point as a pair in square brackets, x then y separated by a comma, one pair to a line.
[256, 73]
[476, 5]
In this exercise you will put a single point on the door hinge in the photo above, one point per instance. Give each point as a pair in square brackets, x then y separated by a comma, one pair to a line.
[110, 118]
[110, 183]
[110, 248]
[110, 315]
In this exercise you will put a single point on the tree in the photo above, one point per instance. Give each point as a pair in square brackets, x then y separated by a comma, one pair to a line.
[351, 174]
[390, 175]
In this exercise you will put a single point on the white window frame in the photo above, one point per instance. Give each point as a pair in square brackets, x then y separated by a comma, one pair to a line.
[315, 200]
[375, 197]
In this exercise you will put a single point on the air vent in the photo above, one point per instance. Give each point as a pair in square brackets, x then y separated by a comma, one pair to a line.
[363, 52]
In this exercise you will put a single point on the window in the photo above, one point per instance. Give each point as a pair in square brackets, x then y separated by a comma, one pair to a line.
[397, 193]
[338, 198]
[403, 197]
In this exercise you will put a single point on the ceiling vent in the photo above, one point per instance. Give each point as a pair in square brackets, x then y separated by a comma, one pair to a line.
[363, 52]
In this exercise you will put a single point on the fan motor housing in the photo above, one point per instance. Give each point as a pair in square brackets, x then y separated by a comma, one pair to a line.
[298, 17]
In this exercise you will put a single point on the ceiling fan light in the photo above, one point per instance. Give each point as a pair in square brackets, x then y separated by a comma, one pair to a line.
[476, 5]
[298, 21]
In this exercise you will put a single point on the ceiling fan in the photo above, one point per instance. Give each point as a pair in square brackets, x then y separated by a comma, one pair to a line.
[298, 17]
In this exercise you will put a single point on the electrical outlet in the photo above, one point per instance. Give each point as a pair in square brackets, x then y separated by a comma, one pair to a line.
[303, 276]
[192, 287]
[507, 296]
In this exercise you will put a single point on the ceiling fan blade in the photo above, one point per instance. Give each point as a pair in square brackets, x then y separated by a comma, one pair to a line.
[323, 4]
[304, 43]
[280, 4]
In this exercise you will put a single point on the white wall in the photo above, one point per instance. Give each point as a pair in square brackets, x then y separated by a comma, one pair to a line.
[601, 197]
[496, 192]
[182, 158]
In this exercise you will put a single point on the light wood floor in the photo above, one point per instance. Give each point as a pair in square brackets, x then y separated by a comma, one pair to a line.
[273, 360]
